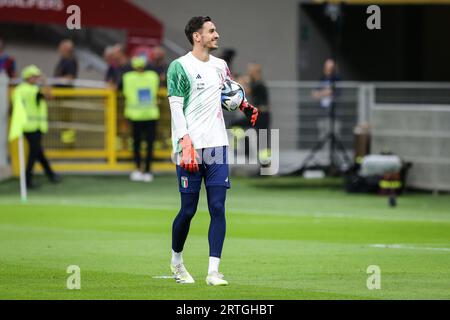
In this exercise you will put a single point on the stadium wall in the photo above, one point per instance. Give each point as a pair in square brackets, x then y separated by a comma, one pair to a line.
[46, 57]
[260, 31]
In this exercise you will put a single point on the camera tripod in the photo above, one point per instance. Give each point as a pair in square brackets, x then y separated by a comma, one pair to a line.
[336, 146]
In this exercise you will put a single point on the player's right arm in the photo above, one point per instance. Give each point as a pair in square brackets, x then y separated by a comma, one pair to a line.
[178, 91]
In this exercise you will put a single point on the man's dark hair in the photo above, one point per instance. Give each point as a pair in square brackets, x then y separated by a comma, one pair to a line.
[194, 24]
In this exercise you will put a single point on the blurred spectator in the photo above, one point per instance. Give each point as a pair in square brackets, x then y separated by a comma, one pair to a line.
[7, 63]
[258, 95]
[326, 91]
[122, 65]
[67, 67]
[159, 63]
[31, 97]
[244, 81]
[110, 75]
[228, 55]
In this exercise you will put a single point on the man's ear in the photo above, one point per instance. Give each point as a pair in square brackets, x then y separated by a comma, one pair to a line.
[196, 36]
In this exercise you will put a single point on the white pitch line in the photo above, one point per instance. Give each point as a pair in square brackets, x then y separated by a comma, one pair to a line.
[400, 246]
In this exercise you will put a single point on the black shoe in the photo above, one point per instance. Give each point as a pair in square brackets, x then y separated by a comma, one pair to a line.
[392, 201]
[55, 179]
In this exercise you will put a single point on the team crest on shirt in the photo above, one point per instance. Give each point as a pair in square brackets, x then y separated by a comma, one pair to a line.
[184, 182]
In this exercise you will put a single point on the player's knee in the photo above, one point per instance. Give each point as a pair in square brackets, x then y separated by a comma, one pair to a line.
[186, 213]
[188, 205]
[217, 209]
[189, 212]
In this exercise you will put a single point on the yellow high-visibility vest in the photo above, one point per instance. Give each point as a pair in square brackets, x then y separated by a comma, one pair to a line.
[141, 92]
[390, 184]
[35, 107]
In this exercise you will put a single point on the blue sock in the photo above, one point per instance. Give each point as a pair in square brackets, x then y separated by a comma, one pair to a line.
[180, 227]
[217, 227]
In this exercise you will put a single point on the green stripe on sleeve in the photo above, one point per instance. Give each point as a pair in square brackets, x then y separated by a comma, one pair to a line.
[178, 84]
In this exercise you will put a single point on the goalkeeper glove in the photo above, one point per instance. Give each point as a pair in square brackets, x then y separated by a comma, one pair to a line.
[188, 155]
[250, 112]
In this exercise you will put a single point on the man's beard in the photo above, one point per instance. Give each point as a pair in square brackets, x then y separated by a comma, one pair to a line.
[210, 49]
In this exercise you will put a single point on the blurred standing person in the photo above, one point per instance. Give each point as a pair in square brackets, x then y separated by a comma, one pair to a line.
[228, 55]
[258, 95]
[140, 88]
[67, 67]
[159, 63]
[122, 65]
[110, 76]
[7, 63]
[326, 91]
[32, 99]
[117, 65]
[244, 81]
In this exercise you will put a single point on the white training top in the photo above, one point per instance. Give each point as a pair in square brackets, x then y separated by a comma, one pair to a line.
[197, 86]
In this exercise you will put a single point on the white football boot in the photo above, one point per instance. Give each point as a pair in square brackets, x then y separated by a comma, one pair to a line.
[181, 274]
[216, 279]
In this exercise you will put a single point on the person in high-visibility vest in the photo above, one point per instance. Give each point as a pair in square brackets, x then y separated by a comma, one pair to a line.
[140, 88]
[31, 98]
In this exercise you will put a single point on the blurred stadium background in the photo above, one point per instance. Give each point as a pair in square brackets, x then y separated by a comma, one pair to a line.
[394, 97]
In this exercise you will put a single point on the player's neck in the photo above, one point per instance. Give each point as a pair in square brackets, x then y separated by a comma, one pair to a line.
[201, 54]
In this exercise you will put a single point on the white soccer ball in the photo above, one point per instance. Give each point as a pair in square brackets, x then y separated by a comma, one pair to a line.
[232, 95]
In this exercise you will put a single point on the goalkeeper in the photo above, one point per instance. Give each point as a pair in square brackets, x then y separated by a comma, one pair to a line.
[198, 132]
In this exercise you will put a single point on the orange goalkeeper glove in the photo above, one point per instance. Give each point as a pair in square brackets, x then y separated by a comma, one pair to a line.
[188, 155]
[250, 112]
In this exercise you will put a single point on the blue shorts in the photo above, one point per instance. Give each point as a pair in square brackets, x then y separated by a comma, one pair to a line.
[213, 167]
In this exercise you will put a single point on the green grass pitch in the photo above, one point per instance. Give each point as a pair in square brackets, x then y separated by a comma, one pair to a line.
[287, 238]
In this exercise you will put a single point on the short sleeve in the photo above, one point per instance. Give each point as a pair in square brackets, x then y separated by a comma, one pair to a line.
[177, 81]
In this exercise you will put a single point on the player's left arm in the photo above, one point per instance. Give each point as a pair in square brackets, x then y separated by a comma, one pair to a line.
[250, 111]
